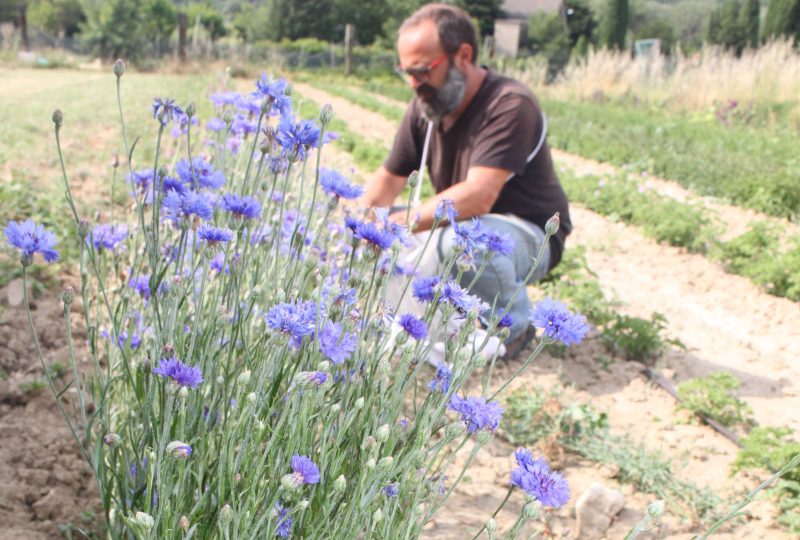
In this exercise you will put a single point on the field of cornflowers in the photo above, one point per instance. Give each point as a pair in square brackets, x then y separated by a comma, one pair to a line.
[236, 364]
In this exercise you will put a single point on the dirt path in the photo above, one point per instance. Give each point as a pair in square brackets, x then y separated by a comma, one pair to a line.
[724, 320]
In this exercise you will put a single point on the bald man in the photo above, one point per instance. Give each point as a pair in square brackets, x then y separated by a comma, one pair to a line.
[488, 154]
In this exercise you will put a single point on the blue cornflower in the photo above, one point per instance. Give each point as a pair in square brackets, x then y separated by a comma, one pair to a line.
[335, 344]
[336, 185]
[141, 284]
[352, 223]
[283, 521]
[453, 294]
[177, 206]
[506, 321]
[304, 471]
[205, 175]
[141, 180]
[213, 235]
[218, 265]
[558, 322]
[215, 124]
[165, 110]
[171, 183]
[180, 373]
[470, 235]
[442, 380]
[108, 236]
[275, 92]
[424, 288]
[476, 412]
[311, 379]
[260, 235]
[499, 243]
[241, 207]
[242, 126]
[444, 208]
[30, 238]
[368, 232]
[248, 104]
[122, 339]
[536, 479]
[391, 490]
[396, 230]
[413, 326]
[295, 320]
[220, 99]
[297, 137]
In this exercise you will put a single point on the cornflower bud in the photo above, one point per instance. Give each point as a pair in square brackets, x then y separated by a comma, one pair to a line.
[324, 366]
[413, 179]
[359, 404]
[226, 515]
[178, 449]
[386, 462]
[370, 442]
[183, 393]
[383, 433]
[310, 379]
[504, 333]
[168, 350]
[552, 225]
[340, 484]
[144, 520]
[655, 509]
[83, 229]
[119, 68]
[326, 114]
[371, 463]
[335, 408]
[252, 398]
[532, 509]
[420, 508]
[68, 295]
[58, 118]
[112, 439]
[26, 259]
[377, 516]
[183, 523]
[401, 339]
[491, 526]
[478, 360]
[483, 437]
[244, 377]
[302, 505]
[456, 428]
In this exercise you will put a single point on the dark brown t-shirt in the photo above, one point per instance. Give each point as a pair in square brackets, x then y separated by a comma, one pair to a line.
[500, 127]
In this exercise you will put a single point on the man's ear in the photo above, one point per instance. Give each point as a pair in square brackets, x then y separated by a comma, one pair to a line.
[464, 55]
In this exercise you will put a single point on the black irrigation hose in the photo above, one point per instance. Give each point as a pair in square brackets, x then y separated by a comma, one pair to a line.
[665, 384]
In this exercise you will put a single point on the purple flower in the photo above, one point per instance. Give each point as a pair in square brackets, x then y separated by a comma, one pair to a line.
[260, 235]
[536, 479]
[122, 339]
[242, 126]
[214, 235]
[165, 110]
[445, 208]
[311, 379]
[442, 380]
[283, 521]
[30, 238]
[335, 185]
[178, 449]
[296, 320]
[218, 265]
[177, 206]
[215, 124]
[413, 326]
[141, 284]
[477, 412]
[499, 243]
[336, 345]
[241, 207]
[558, 323]
[297, 137]
[391, 490]
[180, 373]
[220, 99]
[424, 288]
[108, 236]
[171, 183]
[304, 471]
[205, 175]
[274, 91]
[453, 294]
[370, 233]
[506, 321]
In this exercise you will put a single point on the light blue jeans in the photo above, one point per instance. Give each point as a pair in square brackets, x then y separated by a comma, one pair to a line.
[504, 275]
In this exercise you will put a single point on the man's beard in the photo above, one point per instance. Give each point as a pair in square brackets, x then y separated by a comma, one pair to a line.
[438, 103]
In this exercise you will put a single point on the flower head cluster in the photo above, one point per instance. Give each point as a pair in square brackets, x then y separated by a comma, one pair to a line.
[274, 91]
[304, 471]
[214, 235]
[477, 412]
[108, 236]
[413, 326]
[141, 284]
[199, 173]
[30, 238]
[193, 203]
[335, 344]
[558, 322]
[297, 137]
[391, 490]
[335, 185]
[452, 293]
[241, 207]
[535, 478]
[180, 373]
[424, 288]
[283, 521]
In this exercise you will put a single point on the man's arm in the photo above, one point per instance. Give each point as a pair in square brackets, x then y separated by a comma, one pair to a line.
[473, 197]
[382, 189]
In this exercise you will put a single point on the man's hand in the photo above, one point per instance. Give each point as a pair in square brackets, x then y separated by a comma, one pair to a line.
[382, 189]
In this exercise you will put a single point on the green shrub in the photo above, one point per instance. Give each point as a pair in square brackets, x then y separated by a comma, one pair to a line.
[638, 339]
[712, 397]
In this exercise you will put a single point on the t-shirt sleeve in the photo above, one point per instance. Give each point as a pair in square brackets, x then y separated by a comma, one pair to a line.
[406, 152]
[509, 134]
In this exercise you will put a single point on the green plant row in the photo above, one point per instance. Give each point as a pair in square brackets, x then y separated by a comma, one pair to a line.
[754, 168]
[757, 254]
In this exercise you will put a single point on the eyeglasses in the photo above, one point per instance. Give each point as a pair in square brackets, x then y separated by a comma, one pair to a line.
[420, 73]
